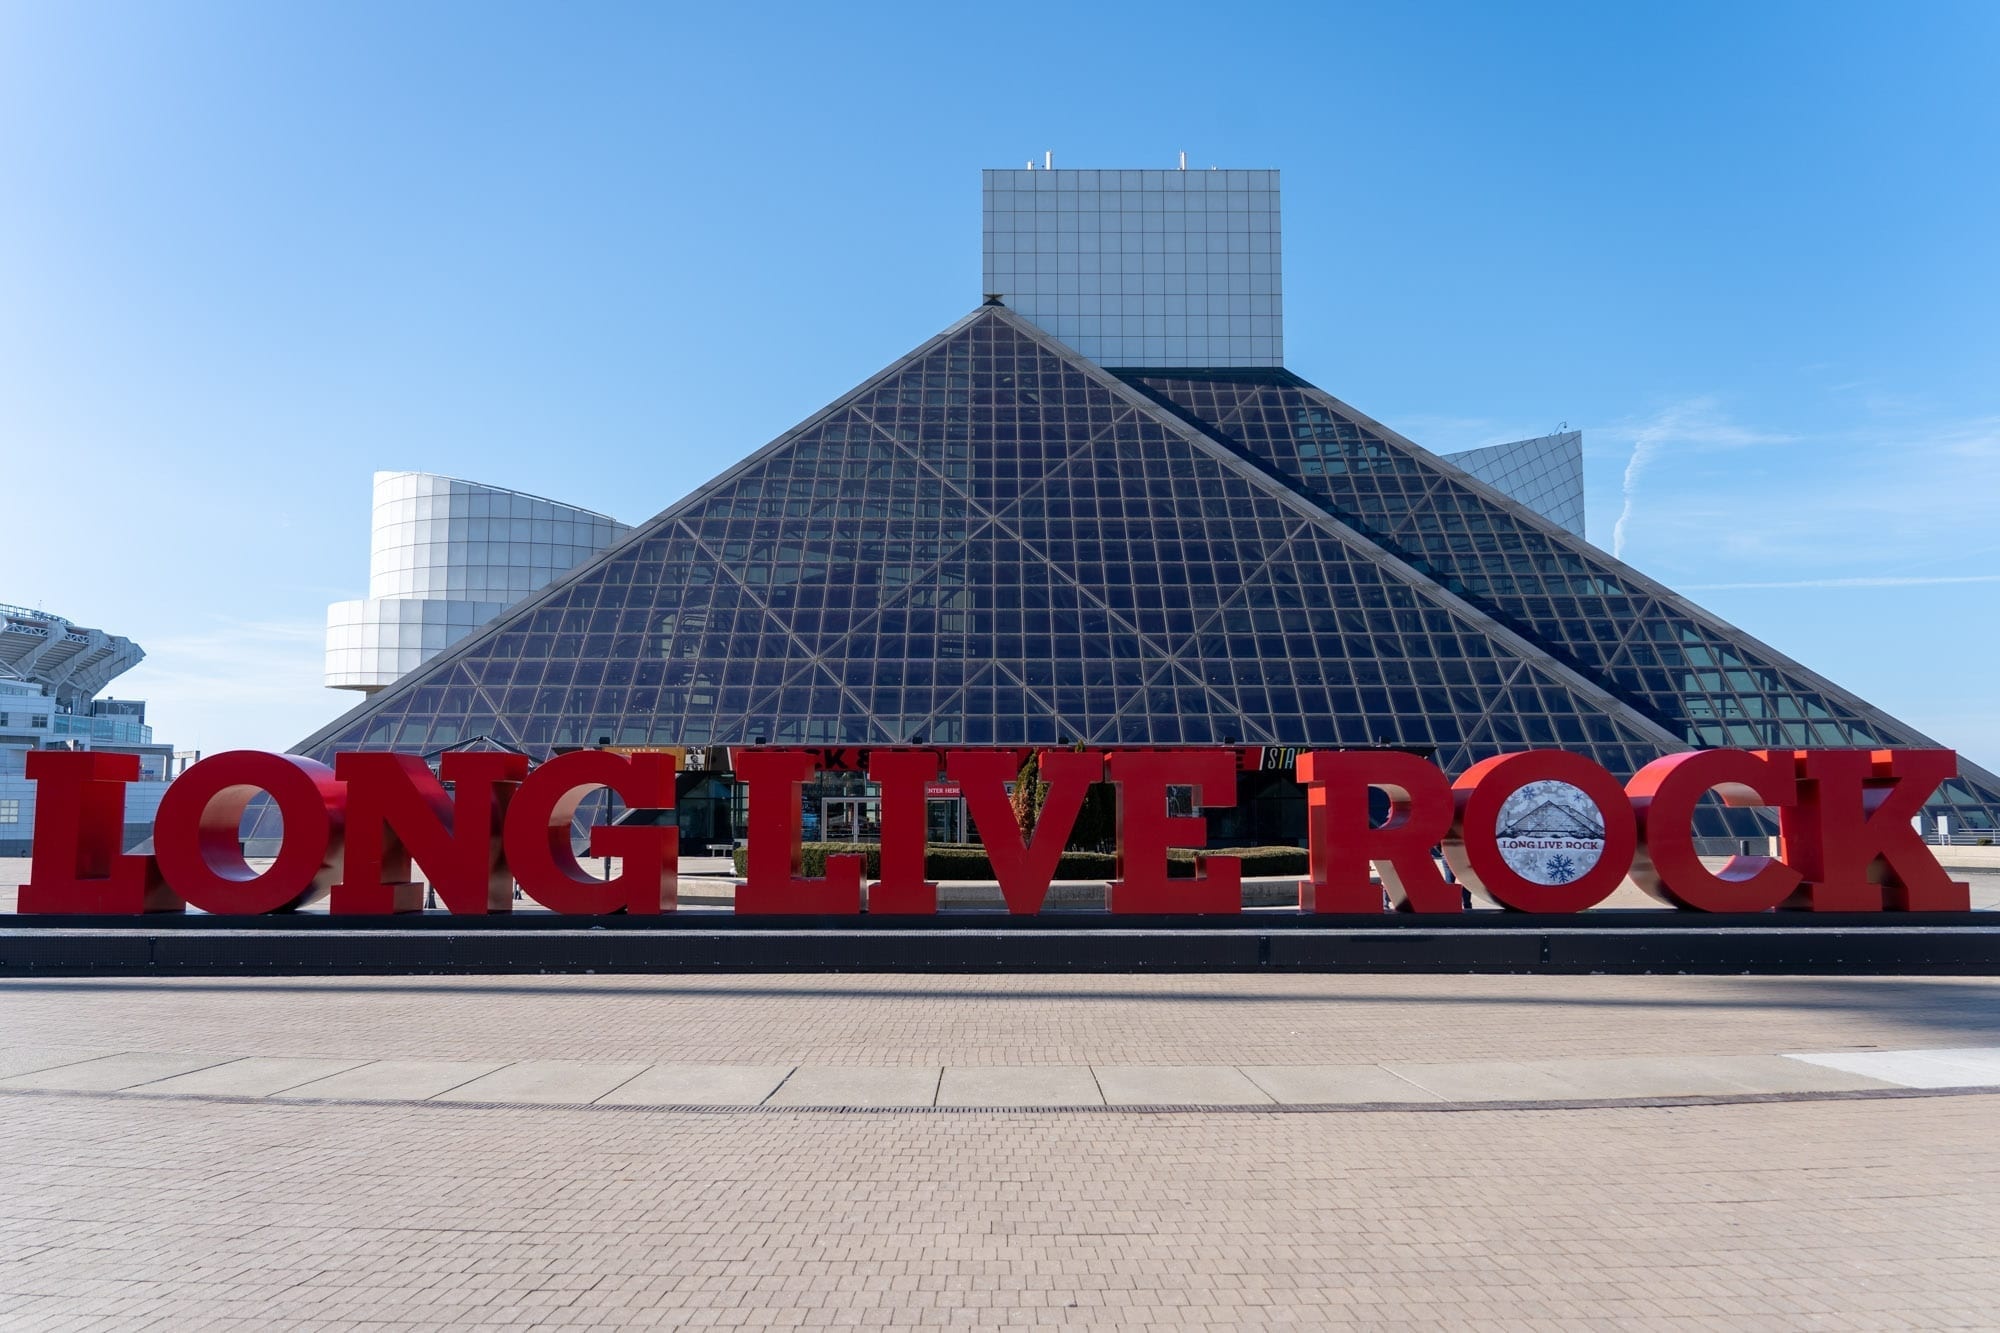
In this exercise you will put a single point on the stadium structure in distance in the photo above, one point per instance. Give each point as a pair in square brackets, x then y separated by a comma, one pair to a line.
[51, 672]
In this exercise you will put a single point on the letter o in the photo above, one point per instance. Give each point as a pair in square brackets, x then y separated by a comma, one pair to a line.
[195, 835]
[1474, 848]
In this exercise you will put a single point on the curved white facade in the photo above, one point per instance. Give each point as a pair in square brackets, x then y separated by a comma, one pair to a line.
[446, 556]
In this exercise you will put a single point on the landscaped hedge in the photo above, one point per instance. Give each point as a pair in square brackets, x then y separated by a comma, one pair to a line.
[1257, 861]
[969, 862]
[814, 855]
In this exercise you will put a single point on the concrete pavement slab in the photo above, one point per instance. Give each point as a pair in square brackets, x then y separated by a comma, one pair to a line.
[547, 1082]
[1019, 1085]
[252, 1076]
[1335, 1084]
[862, 1085]
[1981, 1060]
[1486, 1081]
[698, 1085]
[1775, 1073]
[112, 1073]
[32, 1059]
[1659, 1075]
[1909, 1069]
[1178, 1085]
[394, 1080]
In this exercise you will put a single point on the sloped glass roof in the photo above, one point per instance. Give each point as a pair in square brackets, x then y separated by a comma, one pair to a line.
[997, 541]
[1705, 682]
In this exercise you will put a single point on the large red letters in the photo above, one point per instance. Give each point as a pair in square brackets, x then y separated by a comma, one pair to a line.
[1473, 847]
[774, 880]
[1146, 831]
[1664, 794]
[195, 835]
[1849, 835]
[1344, 845]
[903, 776]
[537, 840]
[398, 813]
[79, 828]
[1023, 866]
[489, 821]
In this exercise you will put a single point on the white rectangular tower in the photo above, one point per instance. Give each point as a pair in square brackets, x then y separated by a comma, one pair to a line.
[1141, 268]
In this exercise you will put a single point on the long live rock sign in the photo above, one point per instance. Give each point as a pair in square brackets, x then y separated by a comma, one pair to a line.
[356, 832]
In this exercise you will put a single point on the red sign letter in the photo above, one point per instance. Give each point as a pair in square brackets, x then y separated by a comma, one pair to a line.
[1664, 795]
[903, 776]
[775, 881]
[397, 812]
[196, 836]
[537, 837]
[1581, 862]
[1850, 836]
[1145, 831]
[1345, 845]
[1024, 868]
[79, 829]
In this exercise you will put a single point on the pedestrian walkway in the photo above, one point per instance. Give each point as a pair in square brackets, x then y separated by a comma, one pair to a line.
[626, 1084]
[1081, 1151]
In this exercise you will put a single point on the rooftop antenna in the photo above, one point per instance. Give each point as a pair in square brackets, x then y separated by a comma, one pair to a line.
[1049, 160]
[1183, 159]
[1031, 164]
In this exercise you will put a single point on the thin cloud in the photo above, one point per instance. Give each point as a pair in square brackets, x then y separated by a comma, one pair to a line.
[1859, 581]
[228, 683]
[1694, 424]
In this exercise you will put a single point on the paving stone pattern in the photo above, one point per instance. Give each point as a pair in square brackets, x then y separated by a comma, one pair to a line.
[172, 1210]
[192, 1214]
[1000, 1020]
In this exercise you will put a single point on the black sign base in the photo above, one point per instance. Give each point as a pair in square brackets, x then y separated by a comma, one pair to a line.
[435, 944]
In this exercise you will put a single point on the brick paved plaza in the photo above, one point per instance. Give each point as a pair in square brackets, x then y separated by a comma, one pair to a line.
[161, 1207]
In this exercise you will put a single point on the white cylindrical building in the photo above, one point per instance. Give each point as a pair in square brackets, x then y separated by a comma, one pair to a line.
[445, 557]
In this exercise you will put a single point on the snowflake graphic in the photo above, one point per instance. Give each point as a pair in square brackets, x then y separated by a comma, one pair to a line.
[1560, 869]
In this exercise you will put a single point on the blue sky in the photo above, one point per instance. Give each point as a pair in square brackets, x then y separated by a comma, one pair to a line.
[251, 253]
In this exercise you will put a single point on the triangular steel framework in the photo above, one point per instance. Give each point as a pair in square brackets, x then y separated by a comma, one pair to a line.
[995, 540]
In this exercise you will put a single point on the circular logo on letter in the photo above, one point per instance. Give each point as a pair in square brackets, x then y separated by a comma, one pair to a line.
[1550, 832]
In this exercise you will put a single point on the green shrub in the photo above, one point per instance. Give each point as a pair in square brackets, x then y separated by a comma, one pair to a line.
[813, 856]
[969, 861]
[1257, 861]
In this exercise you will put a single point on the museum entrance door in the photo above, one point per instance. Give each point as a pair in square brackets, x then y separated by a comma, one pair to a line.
[851, 819]
[945, 820]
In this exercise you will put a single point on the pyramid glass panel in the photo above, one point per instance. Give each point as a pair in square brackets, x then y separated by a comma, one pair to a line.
[1701, 680]
[994, 541]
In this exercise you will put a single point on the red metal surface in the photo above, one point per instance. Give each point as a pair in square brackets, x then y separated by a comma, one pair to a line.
[79, 829]
[1664, 794]
[775, 868]
[195, 837]
[1346, 846]
[1473, 849]
[906, 778]
[1850, 835]
[490, 821]
[1024, 867]
[1146, 831]
[537, 835]
[397, 812]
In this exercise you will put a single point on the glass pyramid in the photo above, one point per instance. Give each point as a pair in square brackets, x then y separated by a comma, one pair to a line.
[995, 540]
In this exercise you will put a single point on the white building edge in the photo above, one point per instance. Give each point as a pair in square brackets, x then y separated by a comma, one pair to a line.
[445, 556]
